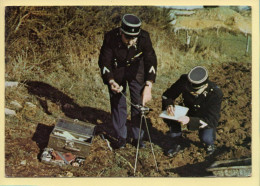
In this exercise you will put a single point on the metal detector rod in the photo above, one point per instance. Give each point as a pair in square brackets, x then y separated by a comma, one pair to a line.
[128, 100]
[139, 135]
[137, 148]
[155, 162]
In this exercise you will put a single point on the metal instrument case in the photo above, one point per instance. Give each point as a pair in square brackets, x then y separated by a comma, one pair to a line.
[72, 136]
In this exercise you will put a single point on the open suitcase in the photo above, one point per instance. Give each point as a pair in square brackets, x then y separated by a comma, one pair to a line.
[72, 136]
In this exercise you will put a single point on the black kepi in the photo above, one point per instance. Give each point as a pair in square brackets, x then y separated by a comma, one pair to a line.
[131, 25]
[198, 76]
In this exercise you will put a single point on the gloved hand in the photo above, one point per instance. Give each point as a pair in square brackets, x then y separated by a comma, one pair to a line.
[115, 87]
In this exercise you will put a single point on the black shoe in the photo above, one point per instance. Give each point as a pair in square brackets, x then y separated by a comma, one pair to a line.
[210, 149]
[121, 143]
[174, 150]
[141, 143]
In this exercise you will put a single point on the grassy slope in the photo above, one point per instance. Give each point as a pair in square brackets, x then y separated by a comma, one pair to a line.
[60, 46]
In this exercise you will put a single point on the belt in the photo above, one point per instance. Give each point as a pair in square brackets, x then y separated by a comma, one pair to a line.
[126, 63]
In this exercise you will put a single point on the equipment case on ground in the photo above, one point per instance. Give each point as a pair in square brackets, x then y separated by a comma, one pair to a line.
[72, 136]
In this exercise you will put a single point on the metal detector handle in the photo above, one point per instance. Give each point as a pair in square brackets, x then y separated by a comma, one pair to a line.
[143, 108]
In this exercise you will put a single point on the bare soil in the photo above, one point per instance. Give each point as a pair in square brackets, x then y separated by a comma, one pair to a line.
[26, 136]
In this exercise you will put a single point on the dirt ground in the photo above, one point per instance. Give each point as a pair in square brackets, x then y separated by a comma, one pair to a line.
[24, 141]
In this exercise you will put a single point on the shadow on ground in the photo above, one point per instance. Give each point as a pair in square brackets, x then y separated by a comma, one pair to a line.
[199, 169]
[44, 92]
[41, 136]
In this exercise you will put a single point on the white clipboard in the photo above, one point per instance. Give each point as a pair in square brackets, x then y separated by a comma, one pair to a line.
[179, 111]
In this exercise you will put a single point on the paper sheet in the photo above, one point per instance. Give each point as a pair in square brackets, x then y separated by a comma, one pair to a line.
[68, 136]
[179, 111]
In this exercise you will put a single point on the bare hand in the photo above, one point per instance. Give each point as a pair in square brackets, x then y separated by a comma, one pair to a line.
[170, 110]
[147, 95]
[184, 120]
[115, 87]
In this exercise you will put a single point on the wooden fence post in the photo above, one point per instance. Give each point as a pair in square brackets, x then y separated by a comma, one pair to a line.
[188, 37]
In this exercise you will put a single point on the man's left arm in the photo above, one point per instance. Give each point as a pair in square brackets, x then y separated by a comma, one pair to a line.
[209, 118]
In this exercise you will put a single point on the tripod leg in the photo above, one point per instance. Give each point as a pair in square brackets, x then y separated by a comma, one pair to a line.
[137, 148]
[151, 144]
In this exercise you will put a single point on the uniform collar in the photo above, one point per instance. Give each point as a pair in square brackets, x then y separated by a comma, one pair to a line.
[120, 43]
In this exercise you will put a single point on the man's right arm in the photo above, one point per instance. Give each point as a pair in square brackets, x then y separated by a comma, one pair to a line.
[172, 93]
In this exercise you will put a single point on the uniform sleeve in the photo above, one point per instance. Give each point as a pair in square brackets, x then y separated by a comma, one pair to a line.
[211, 116]
[173, 92]
[150, 60]
[105, 60]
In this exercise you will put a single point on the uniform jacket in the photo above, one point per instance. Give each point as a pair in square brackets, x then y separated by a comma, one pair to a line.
[116, 58]
[204, 110]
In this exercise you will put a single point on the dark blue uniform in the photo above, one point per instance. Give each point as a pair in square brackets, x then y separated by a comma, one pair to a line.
[204, 109]
[133, 65]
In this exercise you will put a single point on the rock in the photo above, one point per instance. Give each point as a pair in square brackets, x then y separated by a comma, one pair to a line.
[23, 162]
[29, 104]
[16, 104]
[10, 112]
[11, 84]
[69, 174]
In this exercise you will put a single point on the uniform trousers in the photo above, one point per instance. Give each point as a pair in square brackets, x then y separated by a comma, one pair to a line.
[206, 135]
[119, 109]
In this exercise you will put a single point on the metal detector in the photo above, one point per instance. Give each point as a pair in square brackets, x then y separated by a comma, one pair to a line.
[144, 111]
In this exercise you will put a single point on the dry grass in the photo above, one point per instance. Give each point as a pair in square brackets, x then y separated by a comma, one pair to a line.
[60, 46]
[222, 17]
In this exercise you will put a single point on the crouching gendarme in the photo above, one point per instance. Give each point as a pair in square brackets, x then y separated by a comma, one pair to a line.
[203, 98]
